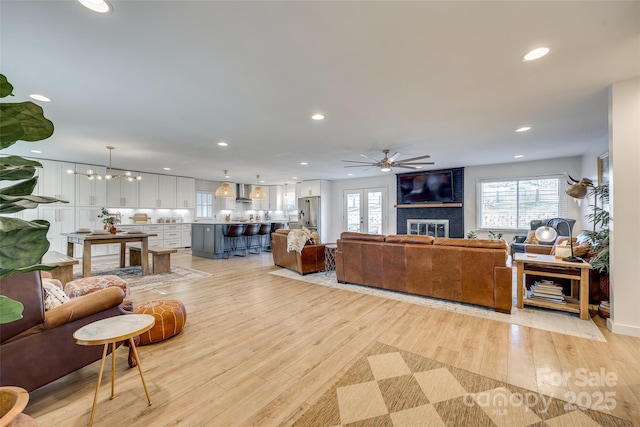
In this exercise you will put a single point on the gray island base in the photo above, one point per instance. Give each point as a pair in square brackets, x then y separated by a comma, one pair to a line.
[208, 241]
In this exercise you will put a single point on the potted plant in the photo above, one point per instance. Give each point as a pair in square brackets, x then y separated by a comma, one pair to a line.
[599, 239]
[23, 243]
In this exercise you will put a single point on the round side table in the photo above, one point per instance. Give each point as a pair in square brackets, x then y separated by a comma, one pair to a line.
[110, 331]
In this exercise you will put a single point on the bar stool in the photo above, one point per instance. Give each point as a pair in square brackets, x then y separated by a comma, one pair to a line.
[265, 230]
[234, 233]
[251, 237]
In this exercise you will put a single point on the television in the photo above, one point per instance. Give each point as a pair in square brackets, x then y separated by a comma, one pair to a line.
[426, 187]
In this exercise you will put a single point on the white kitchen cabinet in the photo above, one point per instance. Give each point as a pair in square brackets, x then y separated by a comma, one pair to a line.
[158, 191]
[155, 229]
[56, 182]
[185, 235]
[61, 220]
[276, 197]
[122, 193]
[309, 188]
[224, 203]
[185, 192]
[172, 236]
[91, 192]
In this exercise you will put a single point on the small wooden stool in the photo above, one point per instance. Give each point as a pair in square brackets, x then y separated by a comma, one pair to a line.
[161, 258]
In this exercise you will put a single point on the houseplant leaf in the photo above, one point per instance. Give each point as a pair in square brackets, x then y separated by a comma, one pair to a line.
[10, 310]
[31, 116]
[6, 88]
[22, 243]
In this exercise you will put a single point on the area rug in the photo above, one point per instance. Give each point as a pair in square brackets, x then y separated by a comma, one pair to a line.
[548, 320]
[392, 387]
[138, 282]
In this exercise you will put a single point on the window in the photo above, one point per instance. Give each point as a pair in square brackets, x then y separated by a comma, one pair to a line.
[204, 205]
[513, 203]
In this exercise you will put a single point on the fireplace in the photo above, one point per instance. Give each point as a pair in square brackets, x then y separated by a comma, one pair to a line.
[428, 227]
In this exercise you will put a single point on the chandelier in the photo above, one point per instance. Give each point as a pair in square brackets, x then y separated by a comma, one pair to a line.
[91, 174]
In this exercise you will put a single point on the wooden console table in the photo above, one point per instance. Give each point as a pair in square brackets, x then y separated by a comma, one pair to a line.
[555, 267]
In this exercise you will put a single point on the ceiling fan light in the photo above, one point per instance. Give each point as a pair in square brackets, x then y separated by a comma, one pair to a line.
[385, 169]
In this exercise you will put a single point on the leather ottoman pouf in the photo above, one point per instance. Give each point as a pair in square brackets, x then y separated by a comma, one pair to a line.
[170, 317]
[87, 285]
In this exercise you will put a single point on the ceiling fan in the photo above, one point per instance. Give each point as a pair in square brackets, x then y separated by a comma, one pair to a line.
[387, 163]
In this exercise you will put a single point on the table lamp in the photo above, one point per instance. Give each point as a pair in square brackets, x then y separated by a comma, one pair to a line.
[547, 234]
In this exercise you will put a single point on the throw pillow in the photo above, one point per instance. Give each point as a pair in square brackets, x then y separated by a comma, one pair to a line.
[531, 238]
[54, 296]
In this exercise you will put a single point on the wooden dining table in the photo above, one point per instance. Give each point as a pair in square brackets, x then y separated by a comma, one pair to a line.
[87, 240]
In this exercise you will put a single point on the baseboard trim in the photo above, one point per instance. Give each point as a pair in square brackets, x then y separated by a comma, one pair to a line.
[617, 328]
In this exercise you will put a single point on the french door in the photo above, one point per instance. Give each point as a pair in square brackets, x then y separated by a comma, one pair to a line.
[364, 210]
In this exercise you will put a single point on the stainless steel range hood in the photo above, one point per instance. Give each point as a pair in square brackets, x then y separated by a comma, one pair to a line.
[242, 193]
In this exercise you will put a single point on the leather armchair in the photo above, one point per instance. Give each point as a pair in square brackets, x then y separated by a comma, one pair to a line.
[39, 348]
[557, 224]
[309, 260]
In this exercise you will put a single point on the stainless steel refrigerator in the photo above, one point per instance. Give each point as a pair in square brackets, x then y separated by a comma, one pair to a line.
[309, 213]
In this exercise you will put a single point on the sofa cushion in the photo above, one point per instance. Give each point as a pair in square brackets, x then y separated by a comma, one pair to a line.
[350, 235]
[471, 243]
[410, 238]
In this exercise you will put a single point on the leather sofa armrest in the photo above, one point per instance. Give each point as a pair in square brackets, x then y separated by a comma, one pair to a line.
[83, 306]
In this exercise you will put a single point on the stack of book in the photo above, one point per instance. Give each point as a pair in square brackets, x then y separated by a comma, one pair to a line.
[546, 290]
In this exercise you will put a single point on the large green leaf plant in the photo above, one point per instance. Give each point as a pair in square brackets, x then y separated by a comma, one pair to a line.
[22, 243]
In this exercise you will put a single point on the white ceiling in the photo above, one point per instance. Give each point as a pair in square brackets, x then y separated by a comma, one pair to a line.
[164, 81]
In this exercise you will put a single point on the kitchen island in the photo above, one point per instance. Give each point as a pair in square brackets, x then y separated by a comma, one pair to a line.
[208, 241]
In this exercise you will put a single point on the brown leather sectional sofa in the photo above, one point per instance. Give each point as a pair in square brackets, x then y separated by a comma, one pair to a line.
[462, 270]
[309, 260]
[39, 348]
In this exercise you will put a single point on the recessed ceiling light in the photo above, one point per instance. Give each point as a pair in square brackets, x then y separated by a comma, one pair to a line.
[304, 163]
[317, 117]
[36, 151]
[518, 156]
[534, 54]
[167, 169]
[262, 181]
[294, 177]
[523, 129]
[222, 144]
[349, 174]
[100, 6]
[38, 97]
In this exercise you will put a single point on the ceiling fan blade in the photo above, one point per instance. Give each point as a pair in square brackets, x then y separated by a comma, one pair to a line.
[406, 167]
[395, 155]
[360, 166]
[415, 158]
[370, 158]
[356, 161]
[415, 164]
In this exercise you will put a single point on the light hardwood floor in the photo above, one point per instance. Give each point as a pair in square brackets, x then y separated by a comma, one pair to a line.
[258, 349]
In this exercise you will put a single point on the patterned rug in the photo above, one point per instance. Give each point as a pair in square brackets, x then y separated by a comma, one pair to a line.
[548, 320]
[392, 387]
[138, 282]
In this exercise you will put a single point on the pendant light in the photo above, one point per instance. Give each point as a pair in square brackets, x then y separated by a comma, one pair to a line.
[225, 190]
[257, 193]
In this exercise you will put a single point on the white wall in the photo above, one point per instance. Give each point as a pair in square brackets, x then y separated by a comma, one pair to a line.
[624, 158]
